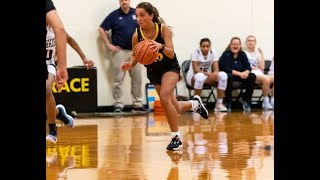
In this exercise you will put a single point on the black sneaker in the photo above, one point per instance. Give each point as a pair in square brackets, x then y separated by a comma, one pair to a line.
[140, 109]
[117, 109]
[201, 108]
[228, 105]
[64, 117]
[245, 105]
[175, 144]
[52, 136]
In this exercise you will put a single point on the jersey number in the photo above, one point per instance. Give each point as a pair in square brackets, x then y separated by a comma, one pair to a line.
[49, 54]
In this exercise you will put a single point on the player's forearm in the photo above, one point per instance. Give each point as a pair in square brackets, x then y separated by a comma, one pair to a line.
[76, 47]
[133, 61]
[169, 52]
[61, 47]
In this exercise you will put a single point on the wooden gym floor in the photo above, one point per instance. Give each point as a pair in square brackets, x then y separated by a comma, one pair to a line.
[235, 146]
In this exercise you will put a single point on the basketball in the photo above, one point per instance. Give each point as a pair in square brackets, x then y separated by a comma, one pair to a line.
[144, 54]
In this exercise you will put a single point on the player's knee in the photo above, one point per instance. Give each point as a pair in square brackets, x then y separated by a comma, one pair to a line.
[200, 77]
[199, 80]
[222, 75]
[164, 99]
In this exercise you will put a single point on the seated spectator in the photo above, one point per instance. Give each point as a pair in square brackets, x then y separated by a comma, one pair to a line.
[257, 64]
[235, 63]
[204, 69]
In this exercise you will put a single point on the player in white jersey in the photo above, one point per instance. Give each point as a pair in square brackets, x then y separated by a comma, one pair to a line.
[51, 66]
[52, 110]
[204, 69]
[50, 50]
[257, 64]
[55, 41]
[53, 20]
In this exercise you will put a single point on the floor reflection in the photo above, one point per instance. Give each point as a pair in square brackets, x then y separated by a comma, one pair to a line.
[233, 145]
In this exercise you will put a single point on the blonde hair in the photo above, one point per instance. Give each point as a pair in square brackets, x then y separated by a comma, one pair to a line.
[254, 40]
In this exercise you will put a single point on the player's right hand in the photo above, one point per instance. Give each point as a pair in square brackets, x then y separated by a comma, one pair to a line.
[61, 77]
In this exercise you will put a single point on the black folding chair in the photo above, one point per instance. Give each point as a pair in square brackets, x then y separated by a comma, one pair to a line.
[184, 68]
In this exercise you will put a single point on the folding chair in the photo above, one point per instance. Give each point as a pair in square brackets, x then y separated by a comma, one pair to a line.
[184, 68]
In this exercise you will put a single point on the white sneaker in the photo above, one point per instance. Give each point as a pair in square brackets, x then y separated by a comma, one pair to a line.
[220, 108]
[266, 105]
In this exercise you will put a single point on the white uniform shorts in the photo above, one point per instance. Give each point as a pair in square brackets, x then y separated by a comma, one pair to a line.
[52, 69]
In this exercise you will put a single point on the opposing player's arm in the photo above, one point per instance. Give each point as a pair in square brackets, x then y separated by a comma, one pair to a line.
[53, 20]
[75, 46]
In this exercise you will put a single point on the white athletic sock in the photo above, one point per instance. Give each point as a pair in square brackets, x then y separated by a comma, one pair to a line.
[195, 105]
[173, 134]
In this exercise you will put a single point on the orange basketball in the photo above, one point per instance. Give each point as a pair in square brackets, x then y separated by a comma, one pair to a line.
[144, 54]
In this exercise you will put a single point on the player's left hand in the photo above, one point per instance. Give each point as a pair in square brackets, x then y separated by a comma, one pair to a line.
[155, 45]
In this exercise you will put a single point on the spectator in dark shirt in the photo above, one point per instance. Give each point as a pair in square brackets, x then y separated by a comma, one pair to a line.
[235, 63]
[122, 22]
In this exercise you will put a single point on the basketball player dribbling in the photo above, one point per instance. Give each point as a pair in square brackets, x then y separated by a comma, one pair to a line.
[164, 73]
[55, 41]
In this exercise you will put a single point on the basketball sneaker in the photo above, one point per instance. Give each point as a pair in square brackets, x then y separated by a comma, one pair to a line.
[52, 136]
[201, 108]
[245, 105]
[266, 105]
[272, 103]
[140, 109]
[64, 117]
[175, 144]
[117, 109]
[220, 108]
[227, 104]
